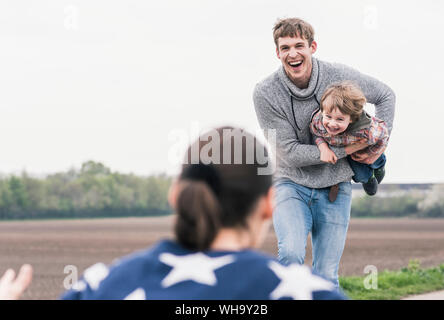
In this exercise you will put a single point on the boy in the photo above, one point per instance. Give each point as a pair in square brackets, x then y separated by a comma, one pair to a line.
[341, 121]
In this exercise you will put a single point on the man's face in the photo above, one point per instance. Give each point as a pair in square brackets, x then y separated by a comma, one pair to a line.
[295, 54]
[335, 122]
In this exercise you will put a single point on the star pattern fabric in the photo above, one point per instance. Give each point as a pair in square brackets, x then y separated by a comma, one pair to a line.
[196, 267]
[138, 294]
[92, 277]
[169, 271]
[297, 282]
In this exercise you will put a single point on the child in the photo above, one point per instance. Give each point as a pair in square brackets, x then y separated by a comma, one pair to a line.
[341, 121]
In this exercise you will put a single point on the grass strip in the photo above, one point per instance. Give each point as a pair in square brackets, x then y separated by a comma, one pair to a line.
[394, 285]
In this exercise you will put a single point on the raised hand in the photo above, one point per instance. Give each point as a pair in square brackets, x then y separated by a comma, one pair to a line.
[11, 288]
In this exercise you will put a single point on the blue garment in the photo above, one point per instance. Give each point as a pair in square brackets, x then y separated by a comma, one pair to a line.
[168, 271]
[299, 210]
[363, 172]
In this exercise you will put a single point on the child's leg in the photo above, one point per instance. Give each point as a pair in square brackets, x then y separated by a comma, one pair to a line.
[379, 163]
[379, 168]
[363, 172]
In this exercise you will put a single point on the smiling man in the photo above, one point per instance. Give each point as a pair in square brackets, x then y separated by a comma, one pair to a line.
[311, 195]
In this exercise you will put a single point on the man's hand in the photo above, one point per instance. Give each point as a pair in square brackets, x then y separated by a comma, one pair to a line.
[352, 148]
[11, 288]
[326, 154]
[367, 158]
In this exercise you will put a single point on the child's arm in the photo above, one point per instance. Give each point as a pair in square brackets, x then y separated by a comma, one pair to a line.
[317, 129]
[327, 155]
[377, 139]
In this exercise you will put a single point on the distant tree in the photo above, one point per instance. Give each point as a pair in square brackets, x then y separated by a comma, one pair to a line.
[433, 204]
[19, 194]
[94, 168]
[397, 206]
[5, 199]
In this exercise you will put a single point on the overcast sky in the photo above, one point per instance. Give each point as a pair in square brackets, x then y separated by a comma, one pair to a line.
[112, 81]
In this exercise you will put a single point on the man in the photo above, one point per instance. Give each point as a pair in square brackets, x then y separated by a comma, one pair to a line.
[311, 196]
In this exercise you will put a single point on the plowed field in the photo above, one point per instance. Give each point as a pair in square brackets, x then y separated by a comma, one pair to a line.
[50, 246]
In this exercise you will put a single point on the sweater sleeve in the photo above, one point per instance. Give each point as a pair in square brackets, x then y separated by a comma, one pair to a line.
[376, 92]
[316, 128]
[295, 154]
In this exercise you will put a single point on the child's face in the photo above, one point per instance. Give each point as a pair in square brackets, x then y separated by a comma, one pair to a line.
[335, 122]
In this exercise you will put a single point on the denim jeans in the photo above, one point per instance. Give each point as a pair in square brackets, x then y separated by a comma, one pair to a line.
[300, 210]
[363, 172]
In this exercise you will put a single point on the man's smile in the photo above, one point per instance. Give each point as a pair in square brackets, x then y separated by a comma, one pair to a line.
[295, 65]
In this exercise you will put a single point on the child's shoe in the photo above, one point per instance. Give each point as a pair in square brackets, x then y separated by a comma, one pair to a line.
[371, 186]
[379, 174]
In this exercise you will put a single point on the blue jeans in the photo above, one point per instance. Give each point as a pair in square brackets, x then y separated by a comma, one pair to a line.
[299, 210]
[363, 172]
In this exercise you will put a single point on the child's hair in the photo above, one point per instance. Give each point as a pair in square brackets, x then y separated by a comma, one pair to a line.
[219, 188]
[293, 27]
[346, 97]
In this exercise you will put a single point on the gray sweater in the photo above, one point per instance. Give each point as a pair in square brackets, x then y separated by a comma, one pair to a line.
[282, 106]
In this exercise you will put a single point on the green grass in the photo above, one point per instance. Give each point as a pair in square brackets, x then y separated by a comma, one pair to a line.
[394, 285]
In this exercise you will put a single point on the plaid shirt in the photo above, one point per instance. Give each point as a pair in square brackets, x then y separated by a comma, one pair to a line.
[375, 135]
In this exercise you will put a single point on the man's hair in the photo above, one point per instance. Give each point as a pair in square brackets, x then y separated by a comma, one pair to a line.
[293, 27]
[346, 97]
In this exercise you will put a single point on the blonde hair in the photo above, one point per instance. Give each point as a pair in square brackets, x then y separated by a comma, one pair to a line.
[346, 97]
[293, 27]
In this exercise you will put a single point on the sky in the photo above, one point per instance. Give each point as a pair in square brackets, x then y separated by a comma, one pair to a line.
[118, 81]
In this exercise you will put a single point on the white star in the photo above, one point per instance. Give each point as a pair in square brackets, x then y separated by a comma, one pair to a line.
[79, 286]
[297, 282]
[95, 274]
[138, 294]
[197, 267]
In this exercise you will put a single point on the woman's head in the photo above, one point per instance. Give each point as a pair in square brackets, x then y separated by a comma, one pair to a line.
[219, 186]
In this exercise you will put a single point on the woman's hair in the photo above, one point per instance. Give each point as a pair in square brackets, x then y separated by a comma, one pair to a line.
[219, 185]
[346, 97]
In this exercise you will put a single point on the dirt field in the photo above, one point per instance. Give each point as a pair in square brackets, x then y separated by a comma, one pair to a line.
[51, 245]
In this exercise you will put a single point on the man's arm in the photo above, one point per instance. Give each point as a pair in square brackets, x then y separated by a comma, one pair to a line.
[296, 154]
[375, 91]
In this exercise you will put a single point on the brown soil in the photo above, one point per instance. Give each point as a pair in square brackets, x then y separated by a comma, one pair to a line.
[51, 245]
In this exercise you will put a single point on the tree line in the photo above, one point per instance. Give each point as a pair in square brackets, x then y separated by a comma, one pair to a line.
[404, 204]
[95, 191]
[92, 191]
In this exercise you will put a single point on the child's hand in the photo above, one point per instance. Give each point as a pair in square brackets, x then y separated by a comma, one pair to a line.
[326, 154]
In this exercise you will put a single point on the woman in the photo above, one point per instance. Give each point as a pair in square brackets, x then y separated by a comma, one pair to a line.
[223, 209]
